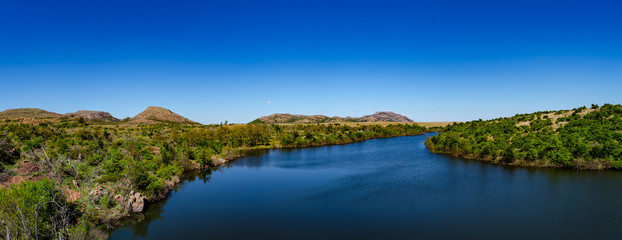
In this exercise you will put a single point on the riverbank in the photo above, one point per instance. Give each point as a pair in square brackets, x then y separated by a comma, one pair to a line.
[579, 164]
[217, 161]
[109, 172]
[580, 138]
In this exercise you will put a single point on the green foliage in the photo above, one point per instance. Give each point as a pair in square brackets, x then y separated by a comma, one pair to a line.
[110, 177]
[104, 202]
[95, 159]
[572, 141]
[112, 164]
[8, 153]
[27, 210]
[204, 155]
[167, 154]
[155, 186]
[139, 176]
[169, 171]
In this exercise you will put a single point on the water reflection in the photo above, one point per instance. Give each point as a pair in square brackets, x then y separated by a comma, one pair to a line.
[204, 175]
[138, 224]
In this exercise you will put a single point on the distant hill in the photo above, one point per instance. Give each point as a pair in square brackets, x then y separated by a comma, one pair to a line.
[386, 117]
[92, 116]
[155, 115]
[28, 113]
[279, 118]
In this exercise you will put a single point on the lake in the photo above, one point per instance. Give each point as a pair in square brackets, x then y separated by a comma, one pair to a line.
[389, 188]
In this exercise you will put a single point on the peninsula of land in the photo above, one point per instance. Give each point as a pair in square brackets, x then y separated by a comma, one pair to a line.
[581, 138]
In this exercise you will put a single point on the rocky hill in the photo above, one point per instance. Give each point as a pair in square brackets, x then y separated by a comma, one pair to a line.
[28, 113]
[155, 115]
[280, 118]
[92, 116]
[386, 117]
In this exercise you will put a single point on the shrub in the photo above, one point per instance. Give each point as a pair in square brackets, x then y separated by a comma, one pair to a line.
[155, 186]
[26, 210]
[139, 176]
[8, 153]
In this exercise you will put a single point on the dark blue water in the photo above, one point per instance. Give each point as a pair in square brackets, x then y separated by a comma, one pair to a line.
[384, 189]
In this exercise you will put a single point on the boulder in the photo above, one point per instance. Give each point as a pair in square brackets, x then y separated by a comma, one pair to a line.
[217, 161]
[135, 202]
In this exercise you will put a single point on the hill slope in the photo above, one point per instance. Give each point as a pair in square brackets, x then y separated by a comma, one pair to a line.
[94, 116]
[386, 117]
[155, 115]
[28, 113]
[280, 118]
[579, 138]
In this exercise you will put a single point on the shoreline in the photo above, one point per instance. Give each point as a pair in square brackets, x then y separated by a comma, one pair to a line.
[219, 162]
[582, 165]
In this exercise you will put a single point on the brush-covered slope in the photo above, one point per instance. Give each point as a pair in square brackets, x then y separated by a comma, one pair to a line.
[92, 116]
[28, 113]
[280, 118]
[580, 138]
[155, 115]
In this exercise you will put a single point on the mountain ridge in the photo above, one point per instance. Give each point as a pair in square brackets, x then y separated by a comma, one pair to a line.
[151, 115]
[280, 118]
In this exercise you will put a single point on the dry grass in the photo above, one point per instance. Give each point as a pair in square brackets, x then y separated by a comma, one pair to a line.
[553, 116]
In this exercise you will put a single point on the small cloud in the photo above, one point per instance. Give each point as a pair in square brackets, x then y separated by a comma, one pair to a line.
[268, 102]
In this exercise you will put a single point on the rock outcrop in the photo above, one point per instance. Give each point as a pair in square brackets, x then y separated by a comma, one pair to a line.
[386, 117]
[135, 202]
[92, 116]
[217, 161]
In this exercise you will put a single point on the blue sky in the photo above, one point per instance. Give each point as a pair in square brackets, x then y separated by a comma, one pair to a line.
[213, 61]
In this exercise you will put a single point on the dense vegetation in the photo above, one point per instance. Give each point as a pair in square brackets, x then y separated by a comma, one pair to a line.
[580, 138]
[80, 177]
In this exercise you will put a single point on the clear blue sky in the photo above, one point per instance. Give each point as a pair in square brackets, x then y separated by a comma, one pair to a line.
[213, 61]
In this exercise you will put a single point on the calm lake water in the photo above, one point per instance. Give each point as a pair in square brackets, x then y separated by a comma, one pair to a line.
[384, 189]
